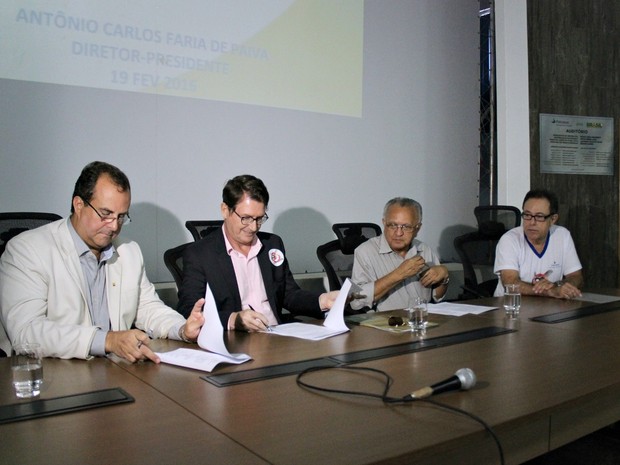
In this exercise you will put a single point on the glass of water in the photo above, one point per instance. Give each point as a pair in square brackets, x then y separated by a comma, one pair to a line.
[27, 369]
[417, 314]
[512, 300]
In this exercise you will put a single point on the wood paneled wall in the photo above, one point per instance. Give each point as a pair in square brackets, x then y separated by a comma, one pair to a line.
[574, 63]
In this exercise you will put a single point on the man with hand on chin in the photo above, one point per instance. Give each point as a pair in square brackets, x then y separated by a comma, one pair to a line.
[540, 256]
[396, 267]
[246, 269]
[79, 291]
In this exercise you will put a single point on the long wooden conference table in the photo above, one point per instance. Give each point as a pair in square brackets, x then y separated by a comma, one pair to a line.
[540, 385]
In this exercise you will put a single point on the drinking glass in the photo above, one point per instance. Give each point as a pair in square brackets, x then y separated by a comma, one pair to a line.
[417, 314]
[27, 368]
[512, 300]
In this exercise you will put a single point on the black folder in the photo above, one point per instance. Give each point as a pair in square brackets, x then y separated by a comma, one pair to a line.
[581, 312]
[57, 405]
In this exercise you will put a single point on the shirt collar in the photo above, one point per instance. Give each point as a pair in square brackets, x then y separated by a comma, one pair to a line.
[384, 247]
[81, 247]
[253, 250]
[542, 252]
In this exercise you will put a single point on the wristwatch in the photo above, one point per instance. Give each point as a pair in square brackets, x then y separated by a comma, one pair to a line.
[182, 335]
[559, 283]
[446, 281]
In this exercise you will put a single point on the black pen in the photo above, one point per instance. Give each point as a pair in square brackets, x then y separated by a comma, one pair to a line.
[267, 327]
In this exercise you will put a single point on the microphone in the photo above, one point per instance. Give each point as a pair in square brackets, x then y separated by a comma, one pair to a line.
[463, 379]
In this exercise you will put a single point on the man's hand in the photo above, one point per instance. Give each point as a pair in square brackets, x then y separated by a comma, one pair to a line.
[327, 299]
[410, 267]
[543, 287]
[547, 288]
[196, 320]
[251, 321]
[435, 275]
[132, 345]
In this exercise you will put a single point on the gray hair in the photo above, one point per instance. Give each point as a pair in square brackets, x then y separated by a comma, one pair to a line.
[404, 202]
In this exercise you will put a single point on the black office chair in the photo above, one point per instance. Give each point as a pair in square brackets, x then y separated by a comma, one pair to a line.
[337, 256]
[336, 264]
[173, 259]
[477, 252]
[13, 223]
[491, 216]
[477, 249]
[351, 235]
[201, 228]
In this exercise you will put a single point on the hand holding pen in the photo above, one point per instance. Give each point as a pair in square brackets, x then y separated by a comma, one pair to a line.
[149, 333]
[260, 320]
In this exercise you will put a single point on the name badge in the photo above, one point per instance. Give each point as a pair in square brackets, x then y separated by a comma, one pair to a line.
[276, 256]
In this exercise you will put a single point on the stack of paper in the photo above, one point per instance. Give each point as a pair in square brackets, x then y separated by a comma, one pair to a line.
[457, 309]
[211, 338]
[333, 325]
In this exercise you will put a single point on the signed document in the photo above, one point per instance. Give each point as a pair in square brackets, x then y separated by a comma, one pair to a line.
[333, 325]
[211, 339]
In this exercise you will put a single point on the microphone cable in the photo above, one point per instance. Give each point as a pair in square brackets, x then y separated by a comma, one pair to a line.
[388, 381]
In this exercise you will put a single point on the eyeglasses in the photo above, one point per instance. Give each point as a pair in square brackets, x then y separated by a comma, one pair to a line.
[539, 218]
[248, 220]
[406, 228]
[107, 218]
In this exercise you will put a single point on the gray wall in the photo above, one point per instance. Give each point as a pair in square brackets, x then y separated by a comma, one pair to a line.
[418, 137]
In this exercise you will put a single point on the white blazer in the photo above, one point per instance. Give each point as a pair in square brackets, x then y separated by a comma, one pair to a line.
[42, 298]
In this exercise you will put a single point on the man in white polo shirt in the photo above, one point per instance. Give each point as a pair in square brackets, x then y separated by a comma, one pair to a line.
[539, 255]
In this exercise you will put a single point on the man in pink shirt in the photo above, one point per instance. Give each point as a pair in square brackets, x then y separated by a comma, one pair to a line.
[246, 269]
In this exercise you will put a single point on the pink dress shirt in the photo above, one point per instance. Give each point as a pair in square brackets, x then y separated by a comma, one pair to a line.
[250, 282]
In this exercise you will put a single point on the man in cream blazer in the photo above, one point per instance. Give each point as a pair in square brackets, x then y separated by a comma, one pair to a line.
[47, 295]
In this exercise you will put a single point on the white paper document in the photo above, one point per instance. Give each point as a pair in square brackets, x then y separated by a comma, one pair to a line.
[333, 325]
[455, 309]
[211, 338]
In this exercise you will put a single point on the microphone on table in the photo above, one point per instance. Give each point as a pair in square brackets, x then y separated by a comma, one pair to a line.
[464, 379]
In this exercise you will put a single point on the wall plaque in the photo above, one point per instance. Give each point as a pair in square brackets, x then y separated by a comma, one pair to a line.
[576, 144]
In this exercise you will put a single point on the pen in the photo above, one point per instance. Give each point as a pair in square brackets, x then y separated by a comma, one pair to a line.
[149, 333]
[267, 327]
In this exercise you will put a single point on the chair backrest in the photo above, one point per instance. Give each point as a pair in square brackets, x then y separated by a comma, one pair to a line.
[489, 216]
[13, 223]
[336, 264]
[173, 259]
[477, 252]
[200, 228]
[337, 256]
[350, 235]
